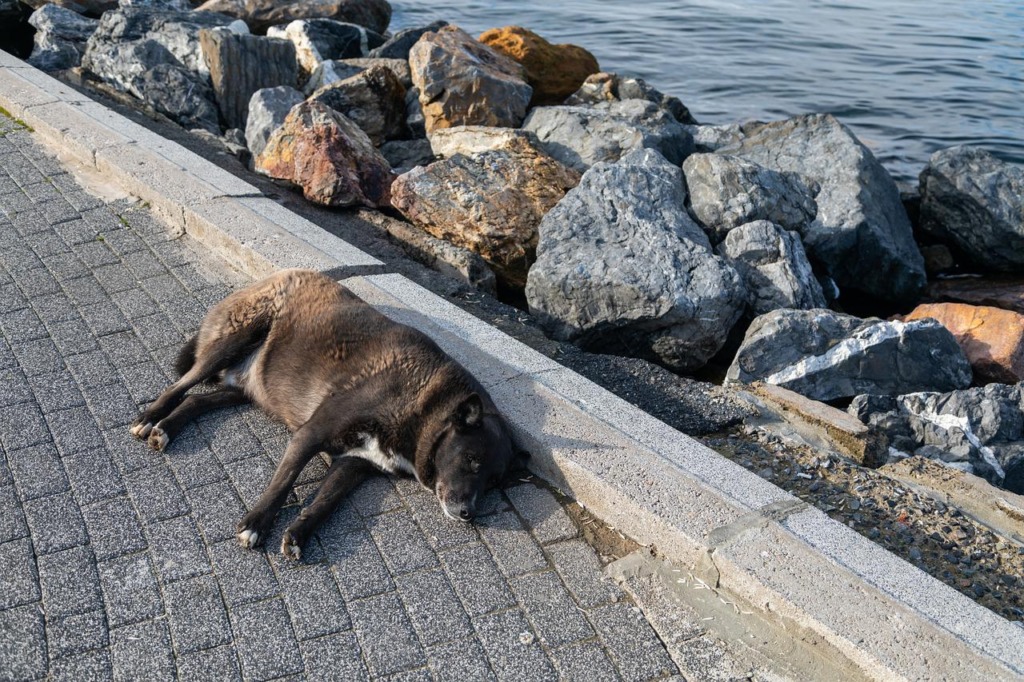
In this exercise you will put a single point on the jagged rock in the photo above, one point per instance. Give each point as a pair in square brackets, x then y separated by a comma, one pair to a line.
[1000, 293]
[826, 355]
[972, 201]
[553, 71]
[374, 99]
[242, 64]
[404, 155]
[319, 40]
[60, 37]
[621, 267]
[611, 87]
[463, 82]
[773, 266]
[861, 235]
[176, 93]
[708, 139]
[727, 191]
[489, 203]
[267, 110]
[579, 137]
[977, 429]
[92, 8]
[399, 45]
[260, 15]
[992, 339]
[108, 53]
[334, 70]
[329, 156]
[448, 142]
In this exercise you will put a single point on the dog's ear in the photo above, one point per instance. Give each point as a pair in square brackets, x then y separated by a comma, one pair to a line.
[469, 413]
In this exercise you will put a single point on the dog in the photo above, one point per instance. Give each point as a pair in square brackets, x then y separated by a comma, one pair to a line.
[347, 381]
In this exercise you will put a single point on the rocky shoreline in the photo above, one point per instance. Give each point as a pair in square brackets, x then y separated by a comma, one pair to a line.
[780, 252]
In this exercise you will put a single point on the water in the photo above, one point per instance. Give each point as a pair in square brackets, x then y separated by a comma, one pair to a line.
[908, 76]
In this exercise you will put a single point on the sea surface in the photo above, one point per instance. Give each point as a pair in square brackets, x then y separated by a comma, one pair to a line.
[908, 76]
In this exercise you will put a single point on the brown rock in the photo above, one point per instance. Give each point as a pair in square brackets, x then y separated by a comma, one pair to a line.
[992, 339]
[329, 156]
[554, 71]
[463, 82]
[374, 99]
[490, 203]
[1006, 294]
[242, 64]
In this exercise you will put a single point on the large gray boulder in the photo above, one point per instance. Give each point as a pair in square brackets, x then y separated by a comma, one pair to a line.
[861, 235]
[580, 136]
[826, 355]
[974, 202]
[773, 266]
[611, 87]
[334, 70]
[399, 45]
[176, 93]
[727, 191]
[979, 430]
[60, 37]
[268, 108]
[622, 267]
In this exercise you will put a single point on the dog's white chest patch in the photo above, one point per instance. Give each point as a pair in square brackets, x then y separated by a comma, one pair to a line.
[387, 462]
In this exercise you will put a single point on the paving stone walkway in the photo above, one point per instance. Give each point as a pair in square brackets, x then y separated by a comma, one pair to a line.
[117, 562]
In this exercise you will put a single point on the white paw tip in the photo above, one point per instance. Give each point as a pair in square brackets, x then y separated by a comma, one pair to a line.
[141, 430]
[247, 538]
[158, 439]
[291, 551]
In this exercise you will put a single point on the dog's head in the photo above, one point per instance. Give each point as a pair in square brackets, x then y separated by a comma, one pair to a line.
[472, 453]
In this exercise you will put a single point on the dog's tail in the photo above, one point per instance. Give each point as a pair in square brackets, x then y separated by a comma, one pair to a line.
[186, 356]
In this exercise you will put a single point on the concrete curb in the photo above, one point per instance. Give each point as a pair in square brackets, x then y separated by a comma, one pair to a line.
[750, 538]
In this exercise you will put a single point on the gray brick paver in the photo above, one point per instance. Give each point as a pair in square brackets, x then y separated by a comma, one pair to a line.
[119, 562]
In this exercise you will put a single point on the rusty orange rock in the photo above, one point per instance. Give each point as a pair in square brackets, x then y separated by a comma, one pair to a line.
[554, 71]
[992, 339]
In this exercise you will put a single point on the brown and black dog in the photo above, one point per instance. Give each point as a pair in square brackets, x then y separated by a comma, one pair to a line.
[346, 380]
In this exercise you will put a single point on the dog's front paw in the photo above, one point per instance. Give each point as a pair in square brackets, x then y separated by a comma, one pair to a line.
[253, 529]
[291, 546]
[248, 538]
[141, 428]
[158, 439]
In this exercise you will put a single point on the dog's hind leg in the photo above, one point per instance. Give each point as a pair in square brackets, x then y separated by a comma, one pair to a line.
[210, 359]
[344, 475]
[168, 428]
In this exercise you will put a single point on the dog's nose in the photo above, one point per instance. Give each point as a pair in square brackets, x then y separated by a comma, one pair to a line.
[464, 513]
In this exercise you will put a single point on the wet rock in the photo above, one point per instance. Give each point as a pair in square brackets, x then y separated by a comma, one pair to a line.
[178, 94]
[404, 155]
[329, 156]
[260, 15]
[399, 45]
[826, 355]
[727, 191]
[490, 203]
[861, 235]
[992, 339]
[463, 82]
[319, 40]
[981, 428]
[972, 201]
[622, 268]
[267, 110]
[240, 65]
[374, 99]
[579, 137]
[1007, 294]
[773, 266]
[610, 87]
[60, 37]
[553, 71]
[448, 142]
